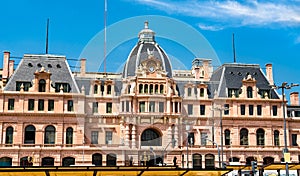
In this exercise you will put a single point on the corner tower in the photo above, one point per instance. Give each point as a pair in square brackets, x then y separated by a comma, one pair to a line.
[147, 49]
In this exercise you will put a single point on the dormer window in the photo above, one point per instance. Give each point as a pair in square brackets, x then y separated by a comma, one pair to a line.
[26, 85]
[64, 86]
[42, 85]
[202, 92]
[249, 92]
[189, 92]
[108, 89]
[95, 89]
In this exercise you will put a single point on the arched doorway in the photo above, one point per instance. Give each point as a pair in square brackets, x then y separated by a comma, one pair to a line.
[5, 161]
[67, 161]
[48, 161]
[249, 159]
[197, 161]
[25, 161]
[150, 137]
[97, 159]
[111, 159]
[268, 160]
[209, 161]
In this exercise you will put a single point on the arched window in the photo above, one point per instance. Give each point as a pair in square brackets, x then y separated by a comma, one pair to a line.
[49, 137]
[69, 136]
[202, 92]
[48, 161]
[5, 161]
[244, 136]
[141, 88]
[96, 89]
[268, 160]
[146, 88]
[67, 161]
[29, 136]
[156, 89]
[197, 161]
[9, 135]
[227, 137]
[161, 88]
[276, 138]
[97, 159]
[260, 137]
[209, 161]
[189, 92]
[151, 89]
[42, 85]
[150, 137]
[111, 159]
[108, 89]
[249, 92]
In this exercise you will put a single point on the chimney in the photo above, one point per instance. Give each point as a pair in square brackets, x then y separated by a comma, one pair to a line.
[269, 72]
[294, 98]
[206, 67]
[11, 64]
[6, 56]
[82, 66]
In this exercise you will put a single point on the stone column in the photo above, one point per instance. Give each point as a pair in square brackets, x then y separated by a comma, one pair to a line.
[127, 136]
[133, 137]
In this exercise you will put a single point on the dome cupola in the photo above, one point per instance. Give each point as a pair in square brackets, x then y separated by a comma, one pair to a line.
[146, 48]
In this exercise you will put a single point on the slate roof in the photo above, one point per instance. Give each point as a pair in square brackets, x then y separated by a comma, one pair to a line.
[140, 52]
[230, 76]
[56, 65]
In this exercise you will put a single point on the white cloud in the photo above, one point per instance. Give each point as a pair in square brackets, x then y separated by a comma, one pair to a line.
[210, 27]
[297, 40]
[233, 13]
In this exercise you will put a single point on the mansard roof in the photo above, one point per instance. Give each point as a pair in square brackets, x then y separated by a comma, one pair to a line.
[56, 65]
[230, 76]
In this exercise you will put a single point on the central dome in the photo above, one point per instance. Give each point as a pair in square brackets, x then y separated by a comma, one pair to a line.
[146, 47]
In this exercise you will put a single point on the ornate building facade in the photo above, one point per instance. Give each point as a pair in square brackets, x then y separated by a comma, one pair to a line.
[147, 115]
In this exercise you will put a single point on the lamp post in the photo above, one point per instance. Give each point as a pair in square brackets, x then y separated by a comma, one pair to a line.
[283, 86]
[217, 148]
[221, 130]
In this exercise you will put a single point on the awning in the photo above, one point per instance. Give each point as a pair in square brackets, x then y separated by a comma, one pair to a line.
[109, 171]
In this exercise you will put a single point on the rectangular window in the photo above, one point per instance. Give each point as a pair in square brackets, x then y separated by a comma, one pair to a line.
[65, 87]
[190, 109]
[202, 109]
[203, 138]
[11, 104]
[243, 109]
[31, 105]
[161, 106]
[108, 137]
[151, 106]
[259, 110]
[294, 140]
[41, 105]
[191, 139]
[142, 106]
[109, 107]
[50, 105]
[123, 106]
[95, 107]
[94, 137]
[274, 110]
[127, 106]
[176, 107]
[226, 111]
[250, 109]
[70, 105]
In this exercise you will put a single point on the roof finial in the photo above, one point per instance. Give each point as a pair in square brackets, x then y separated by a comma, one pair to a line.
[146, 25]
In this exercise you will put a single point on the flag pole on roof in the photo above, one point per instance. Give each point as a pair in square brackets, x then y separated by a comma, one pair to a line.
[47, 34]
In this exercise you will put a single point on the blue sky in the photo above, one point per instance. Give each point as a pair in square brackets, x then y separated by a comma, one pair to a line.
[265, 31]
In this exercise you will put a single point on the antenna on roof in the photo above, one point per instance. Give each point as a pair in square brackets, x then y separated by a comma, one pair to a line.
[105, 11]
[47, 33]
[233, 47]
